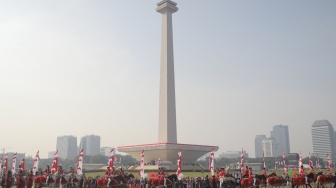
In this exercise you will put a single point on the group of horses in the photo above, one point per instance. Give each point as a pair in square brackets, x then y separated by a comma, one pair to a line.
[38, 181]
[273, 181]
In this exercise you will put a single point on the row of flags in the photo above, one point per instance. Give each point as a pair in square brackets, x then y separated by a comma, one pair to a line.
[142, 169]
[36, 163]
[13, 165]
[211, 162]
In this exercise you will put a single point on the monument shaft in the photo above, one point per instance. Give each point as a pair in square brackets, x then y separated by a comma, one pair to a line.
[167, 146]
[167, 108]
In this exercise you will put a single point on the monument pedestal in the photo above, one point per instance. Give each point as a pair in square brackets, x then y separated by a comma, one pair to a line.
[168, 151]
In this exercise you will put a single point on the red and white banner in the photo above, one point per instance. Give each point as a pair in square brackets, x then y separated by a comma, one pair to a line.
[14, 163]
[80, 161]
[212, 163]
[159, 163]
[179, 164]
[5, 163]
[36, 162]
[300, 161]
[318, 162]
[310, 162]
[263, 155]
[284, 163]
[22, 164]
[142, 165]
[111, 160]
[55, 163]
[328, 163]
[242, 161]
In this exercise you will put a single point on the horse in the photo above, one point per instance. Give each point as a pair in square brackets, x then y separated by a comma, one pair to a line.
[29, 180]
[299, 180]
[228, 181]
[248, 182]
[40, 181]
[72, 183]
[163, 181]
[59, 181]
[20, 182]
[324, 180]
[103, 180]
[262, 178]
[275, 181]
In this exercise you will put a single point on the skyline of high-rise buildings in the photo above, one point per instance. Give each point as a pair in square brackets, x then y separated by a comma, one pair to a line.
[324, 139]
[274, 145]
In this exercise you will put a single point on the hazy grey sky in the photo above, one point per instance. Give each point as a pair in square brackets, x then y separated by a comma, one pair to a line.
[92, 67]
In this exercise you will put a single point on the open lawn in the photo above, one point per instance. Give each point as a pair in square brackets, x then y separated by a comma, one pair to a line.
[192, 174]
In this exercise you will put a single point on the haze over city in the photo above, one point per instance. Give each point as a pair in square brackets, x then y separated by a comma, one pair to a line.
[92, 67]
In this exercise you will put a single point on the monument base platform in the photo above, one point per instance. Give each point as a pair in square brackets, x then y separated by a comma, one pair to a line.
[167, 151]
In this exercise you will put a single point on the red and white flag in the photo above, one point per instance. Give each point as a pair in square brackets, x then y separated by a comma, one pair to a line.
[300, 161]
[242, 161]
[80, 162]
[275, 163]
[179, 164]
[310, 162]
[55, 163]
[159, 163]
[36, 162]
[318, 162]
[263, 155]
[22, 164]
[111, 160]
[284, 163]
[142, 165]
[328, 162]
[14, 163]
[212, 163]
[5, 163]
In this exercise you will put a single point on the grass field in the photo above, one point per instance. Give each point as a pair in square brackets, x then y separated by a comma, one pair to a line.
[185, 174]
[188, 174]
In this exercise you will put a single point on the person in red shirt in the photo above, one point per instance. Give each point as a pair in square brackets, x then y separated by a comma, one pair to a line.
[47, 172]
[221, 176]
[217, 173]
[72, 174]
[264, 172]
[161, 173]
[303, 174]
[108, 175]
[312, 170]
[250, 176]
[246, 172]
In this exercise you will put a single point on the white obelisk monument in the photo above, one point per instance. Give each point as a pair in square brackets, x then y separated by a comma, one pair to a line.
[167, 109]
[167, 147]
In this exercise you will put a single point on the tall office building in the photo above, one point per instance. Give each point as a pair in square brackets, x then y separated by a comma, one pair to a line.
[258, 145]
[280, 136]
[67, 147]
[90, 144]
[268, 147]
[323, 137]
